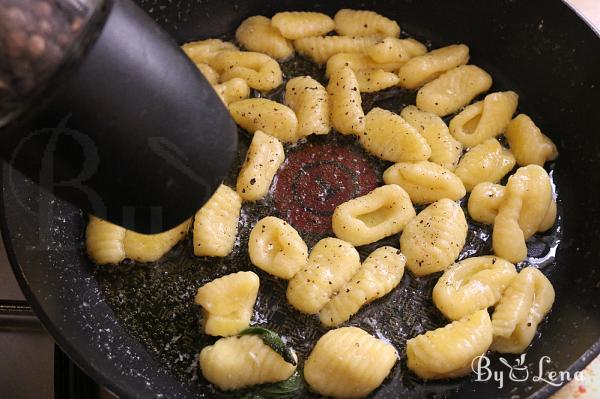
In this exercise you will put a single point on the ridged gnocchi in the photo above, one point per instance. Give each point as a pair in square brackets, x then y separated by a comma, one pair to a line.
[381, 213]
[308, 99]
[276, 247]
[203, 51]
[370, 81]
[364, 23]
[449, 352]
[453, 90]
[263, 159]
[257, 34]
[295, 25]
[379, 274]
[484, 202]
[422, 69]
[357, 62]
[529, 145]
[348, 363]
[227, 303]
[321, 48]
[445, 149]
[260, 71]
[216, 223]
[485, 119]
[522, 307]
[233, 90]
[486, 162]
[266, 115]
[425, 182]
[433, 240]
[471, 285]
[389, 137]
[331, 264]
[107, 243]
[345, 104]
[392, 49]
[239, 362]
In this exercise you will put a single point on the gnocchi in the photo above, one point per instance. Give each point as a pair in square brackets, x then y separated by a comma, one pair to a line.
[276, 247]
[381, 213]
[227, 303]
[529, 145]
[471, 285]
[424, 68]
[295, 25]
[453, 90]
[260, 71]
[392, 49]
[321, 48]
[239, 362]
[484, 202]
[233, 90]
[449, 352]
[215, 224]
[345, 103]
[203, 51]
[263, 159]
[357, 62]
[268, 116]
[308, 99]
[348, 363]
[210, 74]
[371, 81]
[523, 306]
[389, 137]
[433, 240]
[425, 182]
[486, 162]
[445, 149]
[257, 34]
[379, 274]
[331, 264]
[364, 23]
[485, 119]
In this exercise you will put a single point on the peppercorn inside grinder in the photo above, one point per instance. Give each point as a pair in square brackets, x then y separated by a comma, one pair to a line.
[100, 107]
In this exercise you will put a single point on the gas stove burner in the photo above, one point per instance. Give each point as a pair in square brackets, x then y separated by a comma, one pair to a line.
[315, 179]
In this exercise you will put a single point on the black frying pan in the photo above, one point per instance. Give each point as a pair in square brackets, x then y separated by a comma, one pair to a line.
[539, 48]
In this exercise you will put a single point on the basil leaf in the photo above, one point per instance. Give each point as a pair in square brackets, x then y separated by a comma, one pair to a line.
[272, 340]
[283, 389]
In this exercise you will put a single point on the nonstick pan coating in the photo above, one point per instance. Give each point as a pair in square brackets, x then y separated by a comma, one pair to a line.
[540, 49]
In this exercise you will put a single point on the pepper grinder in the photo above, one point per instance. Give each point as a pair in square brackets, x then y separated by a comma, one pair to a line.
[99, 106]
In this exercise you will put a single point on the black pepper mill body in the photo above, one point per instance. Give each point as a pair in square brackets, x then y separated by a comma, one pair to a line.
[100, 106]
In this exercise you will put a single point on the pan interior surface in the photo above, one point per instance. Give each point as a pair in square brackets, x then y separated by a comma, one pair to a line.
[135, 328]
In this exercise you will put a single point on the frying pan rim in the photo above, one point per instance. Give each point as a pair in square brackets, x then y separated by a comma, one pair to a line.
[579, 364]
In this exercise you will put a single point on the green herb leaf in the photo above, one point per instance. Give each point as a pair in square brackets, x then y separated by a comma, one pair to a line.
[272, 340]
[283, 389]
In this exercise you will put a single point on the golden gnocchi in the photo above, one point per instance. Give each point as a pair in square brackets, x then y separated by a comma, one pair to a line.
[268, 116]
[389, 137]
[216, 223]
[210, 74]
[348, 363]
[524, 304]
[321, 48]
[345, 103]
[424, 68]
[484, 202]
[276, 247]
[233, 90]
[449, 352]
[370, 81]
[364, 23]
[471, 285]
[379, 274]
[433, 240]
[529, 145]
[445, 150]
[203, 51]
[308, 99]
[260, 71]
[295, 25]
[357, 62]
[425, 182]
[381, 213]
[453, 90]
[228, 303]
[257, 34]
[263, 159]
[331, 264]
[486, 162]
[485, 119]
[392, 49]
